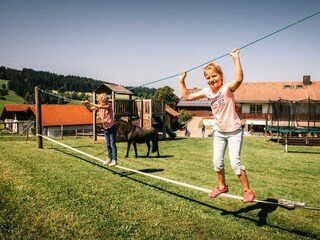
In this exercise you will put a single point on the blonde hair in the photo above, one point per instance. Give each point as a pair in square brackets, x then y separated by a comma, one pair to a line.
[103, 96]
[212, 66]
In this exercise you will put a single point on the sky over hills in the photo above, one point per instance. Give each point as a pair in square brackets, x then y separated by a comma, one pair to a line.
[138, 42]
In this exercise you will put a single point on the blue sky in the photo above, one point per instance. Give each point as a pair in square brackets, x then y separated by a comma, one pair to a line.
[140, 41]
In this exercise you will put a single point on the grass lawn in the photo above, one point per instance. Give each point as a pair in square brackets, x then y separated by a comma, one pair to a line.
[55, 193]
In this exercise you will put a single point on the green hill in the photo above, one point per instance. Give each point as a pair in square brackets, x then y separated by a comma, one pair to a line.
[11, 98]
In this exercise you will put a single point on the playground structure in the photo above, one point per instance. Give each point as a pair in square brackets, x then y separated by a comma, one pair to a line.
[141, 112]
[294, 122]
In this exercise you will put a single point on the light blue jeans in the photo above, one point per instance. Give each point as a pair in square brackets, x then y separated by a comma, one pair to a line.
[220, 142]
[110, 136]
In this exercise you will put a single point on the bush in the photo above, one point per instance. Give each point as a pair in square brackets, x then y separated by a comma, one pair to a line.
[184, 116]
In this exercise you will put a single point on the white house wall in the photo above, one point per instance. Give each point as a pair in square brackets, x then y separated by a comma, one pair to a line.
[55, 131]
[246, 107]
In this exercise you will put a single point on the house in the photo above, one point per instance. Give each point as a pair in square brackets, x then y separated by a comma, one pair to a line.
[55, 118]
[16, 117]
[252, 100]
[198, 108]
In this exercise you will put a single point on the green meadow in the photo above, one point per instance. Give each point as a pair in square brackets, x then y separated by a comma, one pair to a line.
[56, 193]
[11, 98]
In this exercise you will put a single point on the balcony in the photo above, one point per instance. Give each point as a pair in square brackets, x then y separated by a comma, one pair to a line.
[256, 116]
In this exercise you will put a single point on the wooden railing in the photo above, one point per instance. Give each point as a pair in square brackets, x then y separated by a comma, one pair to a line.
[125, 107]
[158, 107]
[133, 107]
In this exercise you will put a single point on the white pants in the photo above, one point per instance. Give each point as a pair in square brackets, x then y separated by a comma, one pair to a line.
[220, 142]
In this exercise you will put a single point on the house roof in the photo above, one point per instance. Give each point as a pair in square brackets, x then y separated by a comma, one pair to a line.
[14, 109]
[265, 91]
[53, 114]
[203, 102]
[57, 114]
[262, 92]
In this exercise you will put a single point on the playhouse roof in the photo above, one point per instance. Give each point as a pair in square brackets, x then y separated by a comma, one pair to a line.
[109, 88]
[171, 111]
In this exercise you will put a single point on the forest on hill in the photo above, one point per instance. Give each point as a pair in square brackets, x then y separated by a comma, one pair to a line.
[24, 81]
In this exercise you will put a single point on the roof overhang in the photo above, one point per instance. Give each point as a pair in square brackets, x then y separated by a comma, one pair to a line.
[109, 88]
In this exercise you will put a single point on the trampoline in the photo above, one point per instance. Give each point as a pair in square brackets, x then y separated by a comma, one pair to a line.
[294, 122]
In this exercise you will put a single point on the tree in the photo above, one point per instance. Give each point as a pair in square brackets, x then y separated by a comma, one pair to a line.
[61, 100]
[184, 116]
[3, 73]
[3, 90]
[143, 92]
[29, 98]
[61, 90]
[83, 96]
[166, 94]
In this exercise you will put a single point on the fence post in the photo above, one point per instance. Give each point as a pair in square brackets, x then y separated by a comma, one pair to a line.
[94, 120]
[61, 131]
[38, 117]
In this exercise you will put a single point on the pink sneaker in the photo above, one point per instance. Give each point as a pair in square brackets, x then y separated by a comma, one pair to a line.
[217, 191]
[248, 196]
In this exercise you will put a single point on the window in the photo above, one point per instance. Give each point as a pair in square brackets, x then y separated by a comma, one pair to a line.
[286, 86]
[299, 86]
[255, 108]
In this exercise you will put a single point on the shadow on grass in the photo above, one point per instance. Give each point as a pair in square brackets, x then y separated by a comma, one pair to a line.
[172, 139]
[304, 152]
[265, 209]
[161, 156]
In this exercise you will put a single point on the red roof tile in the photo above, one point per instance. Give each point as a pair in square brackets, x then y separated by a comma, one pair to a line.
[56, 115]
[265, 91]
[16, 107]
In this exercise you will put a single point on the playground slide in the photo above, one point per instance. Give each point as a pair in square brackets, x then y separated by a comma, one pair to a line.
[168, 130]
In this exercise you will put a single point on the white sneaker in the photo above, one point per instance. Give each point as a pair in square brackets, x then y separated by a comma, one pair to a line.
[107, 162]
[113, 163]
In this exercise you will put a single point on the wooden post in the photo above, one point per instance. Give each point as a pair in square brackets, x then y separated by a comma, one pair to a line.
[61, 131]
[151, 115]
[27, 134]
[113, 103]
[141, 112]
[163, 109]
[38, 117]
[94, 121]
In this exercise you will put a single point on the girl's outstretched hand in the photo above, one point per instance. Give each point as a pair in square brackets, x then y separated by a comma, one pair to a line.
[235, 52]
[182, 76]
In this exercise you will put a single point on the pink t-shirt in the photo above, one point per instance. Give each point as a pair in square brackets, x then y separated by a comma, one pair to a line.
[223, 109]
[106, 116]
